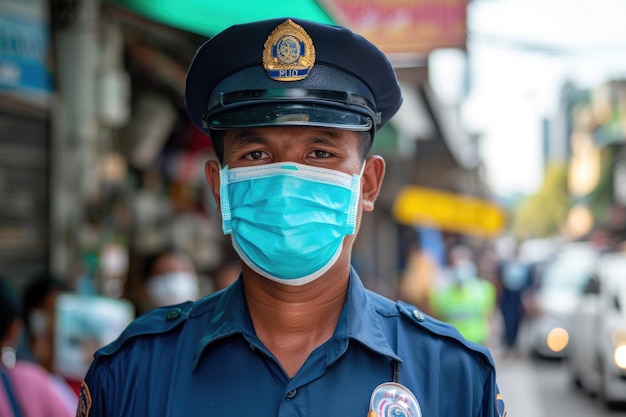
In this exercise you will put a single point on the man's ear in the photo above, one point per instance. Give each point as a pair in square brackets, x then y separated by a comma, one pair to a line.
[372, 180]
[212, 173]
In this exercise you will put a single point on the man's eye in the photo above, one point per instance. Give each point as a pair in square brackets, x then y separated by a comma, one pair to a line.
[321, 154]
[255, 155]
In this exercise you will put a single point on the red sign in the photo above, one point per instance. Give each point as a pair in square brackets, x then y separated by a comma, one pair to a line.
[404, 26]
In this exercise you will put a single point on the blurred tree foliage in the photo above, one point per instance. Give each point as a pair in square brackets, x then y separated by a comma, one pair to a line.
[543, 213]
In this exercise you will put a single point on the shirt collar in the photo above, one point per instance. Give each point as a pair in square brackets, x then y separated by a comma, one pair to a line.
[359, 320]
[228, 318]
[363, 321]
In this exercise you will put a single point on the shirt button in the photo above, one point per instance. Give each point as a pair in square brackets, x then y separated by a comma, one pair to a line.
[291, 394]
[173, 314]
[419, 316]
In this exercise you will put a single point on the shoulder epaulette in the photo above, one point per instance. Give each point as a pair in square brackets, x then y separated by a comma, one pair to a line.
[156, 321]
[434, 326]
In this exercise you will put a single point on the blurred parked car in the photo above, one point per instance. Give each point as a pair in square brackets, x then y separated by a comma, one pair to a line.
[597, 358]
[559, 288]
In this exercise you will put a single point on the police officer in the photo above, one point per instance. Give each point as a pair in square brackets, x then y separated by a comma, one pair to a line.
[292, 107]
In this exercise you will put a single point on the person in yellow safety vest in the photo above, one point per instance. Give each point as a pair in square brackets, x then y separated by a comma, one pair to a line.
[465, 300]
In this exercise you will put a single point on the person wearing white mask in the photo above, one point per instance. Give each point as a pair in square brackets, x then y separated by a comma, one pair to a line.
[27, 389]
[170, 278]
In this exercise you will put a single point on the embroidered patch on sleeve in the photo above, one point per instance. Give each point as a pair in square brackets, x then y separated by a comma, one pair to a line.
[84, 401]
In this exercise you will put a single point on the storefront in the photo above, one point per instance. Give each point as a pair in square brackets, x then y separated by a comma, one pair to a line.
[25, 169]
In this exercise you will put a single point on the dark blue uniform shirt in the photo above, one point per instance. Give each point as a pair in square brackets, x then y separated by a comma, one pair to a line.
[204, 359]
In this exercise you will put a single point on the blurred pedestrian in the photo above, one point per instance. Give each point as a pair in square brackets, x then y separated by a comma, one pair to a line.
[292, 108]
[424, 266]
[515, 278]
[170, 277]
[465, 300]
[39, 317]
[26, 388]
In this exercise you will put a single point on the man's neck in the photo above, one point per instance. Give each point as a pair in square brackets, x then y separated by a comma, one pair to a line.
[293, 321]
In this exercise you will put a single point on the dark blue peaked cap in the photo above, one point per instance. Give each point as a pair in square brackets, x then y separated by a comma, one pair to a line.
[290, 72]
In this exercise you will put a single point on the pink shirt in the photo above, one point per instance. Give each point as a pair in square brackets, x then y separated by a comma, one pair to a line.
[35, 392]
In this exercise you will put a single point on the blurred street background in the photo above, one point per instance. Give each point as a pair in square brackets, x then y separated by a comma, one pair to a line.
[509, 144]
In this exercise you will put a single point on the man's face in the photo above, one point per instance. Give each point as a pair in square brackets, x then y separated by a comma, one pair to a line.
[333, 149]
[321, 147]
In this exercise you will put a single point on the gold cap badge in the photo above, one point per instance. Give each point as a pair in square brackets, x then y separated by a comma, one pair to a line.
[288, 53]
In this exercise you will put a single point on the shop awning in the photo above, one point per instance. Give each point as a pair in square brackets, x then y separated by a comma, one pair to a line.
[208, 17]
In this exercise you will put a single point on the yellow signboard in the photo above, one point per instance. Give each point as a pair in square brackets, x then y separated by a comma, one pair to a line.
[418, 206]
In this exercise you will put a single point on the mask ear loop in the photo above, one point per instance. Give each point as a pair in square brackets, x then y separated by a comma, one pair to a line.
[355, 194]
[225, 202]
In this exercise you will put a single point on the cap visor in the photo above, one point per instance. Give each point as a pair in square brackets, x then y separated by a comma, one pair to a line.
[285, 114]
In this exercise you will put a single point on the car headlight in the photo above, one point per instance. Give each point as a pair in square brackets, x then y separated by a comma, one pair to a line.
[619, 356]
[557, 339]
